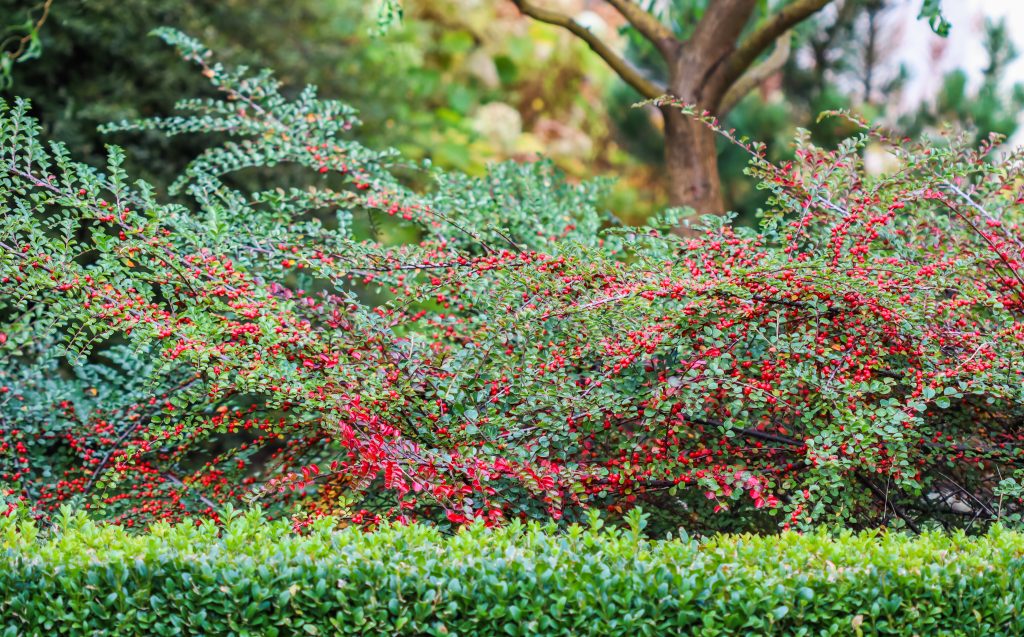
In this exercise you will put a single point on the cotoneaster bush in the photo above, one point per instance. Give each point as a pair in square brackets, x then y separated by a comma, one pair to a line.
[856, 360]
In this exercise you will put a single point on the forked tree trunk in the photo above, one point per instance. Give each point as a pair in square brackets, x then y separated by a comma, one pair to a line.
[702, 69]
[691, 164]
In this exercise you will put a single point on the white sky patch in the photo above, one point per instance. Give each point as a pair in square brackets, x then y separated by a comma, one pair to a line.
[929, 57]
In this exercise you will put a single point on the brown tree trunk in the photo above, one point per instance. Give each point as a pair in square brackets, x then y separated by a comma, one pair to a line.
[700, 75]
[701, 71]
[691, 164]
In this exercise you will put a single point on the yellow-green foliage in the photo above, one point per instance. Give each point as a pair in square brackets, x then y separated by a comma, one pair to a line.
[253, 577]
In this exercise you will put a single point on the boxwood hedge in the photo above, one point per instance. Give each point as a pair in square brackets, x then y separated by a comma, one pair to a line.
[254, 577]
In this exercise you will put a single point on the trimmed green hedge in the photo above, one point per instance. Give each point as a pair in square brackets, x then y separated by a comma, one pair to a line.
[253, 577]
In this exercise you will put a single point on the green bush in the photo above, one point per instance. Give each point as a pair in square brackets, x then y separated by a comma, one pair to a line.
[255, 577]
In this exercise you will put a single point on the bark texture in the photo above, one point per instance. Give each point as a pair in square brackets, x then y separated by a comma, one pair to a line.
[691, 164]
[712, 70]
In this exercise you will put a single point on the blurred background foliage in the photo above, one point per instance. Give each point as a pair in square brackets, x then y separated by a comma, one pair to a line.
[464, 83]
[461, 83]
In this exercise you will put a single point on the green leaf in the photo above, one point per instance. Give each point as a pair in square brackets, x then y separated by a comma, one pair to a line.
[931, 10]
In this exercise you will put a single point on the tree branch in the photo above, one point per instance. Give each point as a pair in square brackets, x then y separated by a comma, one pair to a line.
[751, 432]
[770, 29]
[649, 26]
[629, 73]
[881, 495]
[24, 42]
[718, 31]
[755, 75]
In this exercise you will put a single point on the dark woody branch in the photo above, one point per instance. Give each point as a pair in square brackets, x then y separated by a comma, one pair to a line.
[629, 73]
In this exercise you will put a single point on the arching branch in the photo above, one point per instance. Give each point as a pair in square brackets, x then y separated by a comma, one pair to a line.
[770, 29]
[756, 74]
[718, 29]
[648, 26]
[629, 73]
